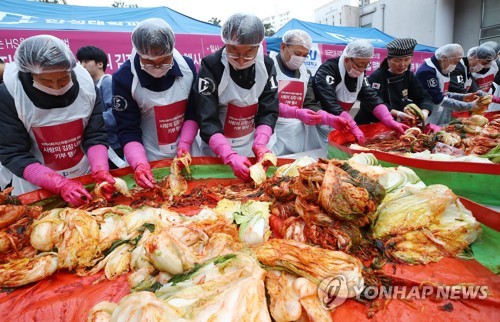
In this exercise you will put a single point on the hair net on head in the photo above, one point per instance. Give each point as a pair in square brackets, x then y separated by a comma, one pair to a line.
[44, 54]
[153, 38]
[494, 45]
[242, 29]
[360, 48]
[472, 52]
[297, 37]
[485, 52]
[450, 51]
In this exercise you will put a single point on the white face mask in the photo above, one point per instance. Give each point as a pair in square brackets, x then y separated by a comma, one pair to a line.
[476, 68]
[239, 66]
[449, 69]
[354, 73]
[51, 91]
[157, 72]
[295, 62]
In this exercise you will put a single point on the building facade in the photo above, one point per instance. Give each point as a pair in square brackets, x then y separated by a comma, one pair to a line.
[431, 22]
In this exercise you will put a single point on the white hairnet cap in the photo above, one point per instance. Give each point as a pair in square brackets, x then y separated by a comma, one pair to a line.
[153, 38]
[494, 45]
[360, 48]
[297, 37]
[449, 51]
[44, 54]
[242, 29]
[482, 52]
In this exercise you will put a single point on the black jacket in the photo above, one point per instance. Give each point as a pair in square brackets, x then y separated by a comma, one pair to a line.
[396, 91]
[206, 98]
[458, 77]
[324, 88]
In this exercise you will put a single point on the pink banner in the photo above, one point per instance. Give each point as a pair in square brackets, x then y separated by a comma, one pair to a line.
[331, 51]
[117, 45]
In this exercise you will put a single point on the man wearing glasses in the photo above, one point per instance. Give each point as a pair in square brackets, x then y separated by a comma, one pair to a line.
[235, 95]
[434, 75]
[155, 119]
[339, 82]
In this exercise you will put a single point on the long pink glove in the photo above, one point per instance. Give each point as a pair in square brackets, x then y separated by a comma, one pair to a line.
[358, 134]
[240, 165]
[305, 115]
[98, 159]
[260, 140]
[136, 157]
[334, 121]
[186, 138]
[432, 128]
[382, 113]
[72, 192]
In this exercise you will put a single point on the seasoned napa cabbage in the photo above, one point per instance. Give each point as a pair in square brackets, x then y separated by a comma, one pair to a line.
[425, 225]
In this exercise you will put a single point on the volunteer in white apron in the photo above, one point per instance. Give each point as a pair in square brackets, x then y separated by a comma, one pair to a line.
[150, 100]
[434, 75]
[339, 82]
[50, 117]
[236, 96]
[95, 61]
[295, 131]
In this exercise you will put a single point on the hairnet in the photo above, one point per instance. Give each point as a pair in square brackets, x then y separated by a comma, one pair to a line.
[472, 52]
[153, 38]
[485, 52]
[494, 45]
[44, 54]
[297, 37]
[450, 51]
[242, 29]
[360, 48]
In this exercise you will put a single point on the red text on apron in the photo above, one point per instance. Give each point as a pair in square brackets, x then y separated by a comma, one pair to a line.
[346, 106]
[485, 82]
[169, 120]
[60, 144]
[291, 92]
[239, 120]
[445, 87]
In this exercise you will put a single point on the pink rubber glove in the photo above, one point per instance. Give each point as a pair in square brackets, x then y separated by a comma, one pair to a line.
[305, 115]
[186, 138]
[336, 122]
[240, 165]
[496, 99]
[355, 130]
[98, 159]
[72, 192]
[432, 128]
[136, 157]
[260, 140]
[382, 113]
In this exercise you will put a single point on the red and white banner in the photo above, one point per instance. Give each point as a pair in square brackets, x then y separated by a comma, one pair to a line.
[117, 45]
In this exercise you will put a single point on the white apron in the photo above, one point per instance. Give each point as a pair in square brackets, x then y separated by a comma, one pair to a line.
[494, 107]
[440, 115]
[290, 132]
[345, 98]
[238, 107]
[484, 81]
[56, 134]
[5, 177]
[162, 113]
